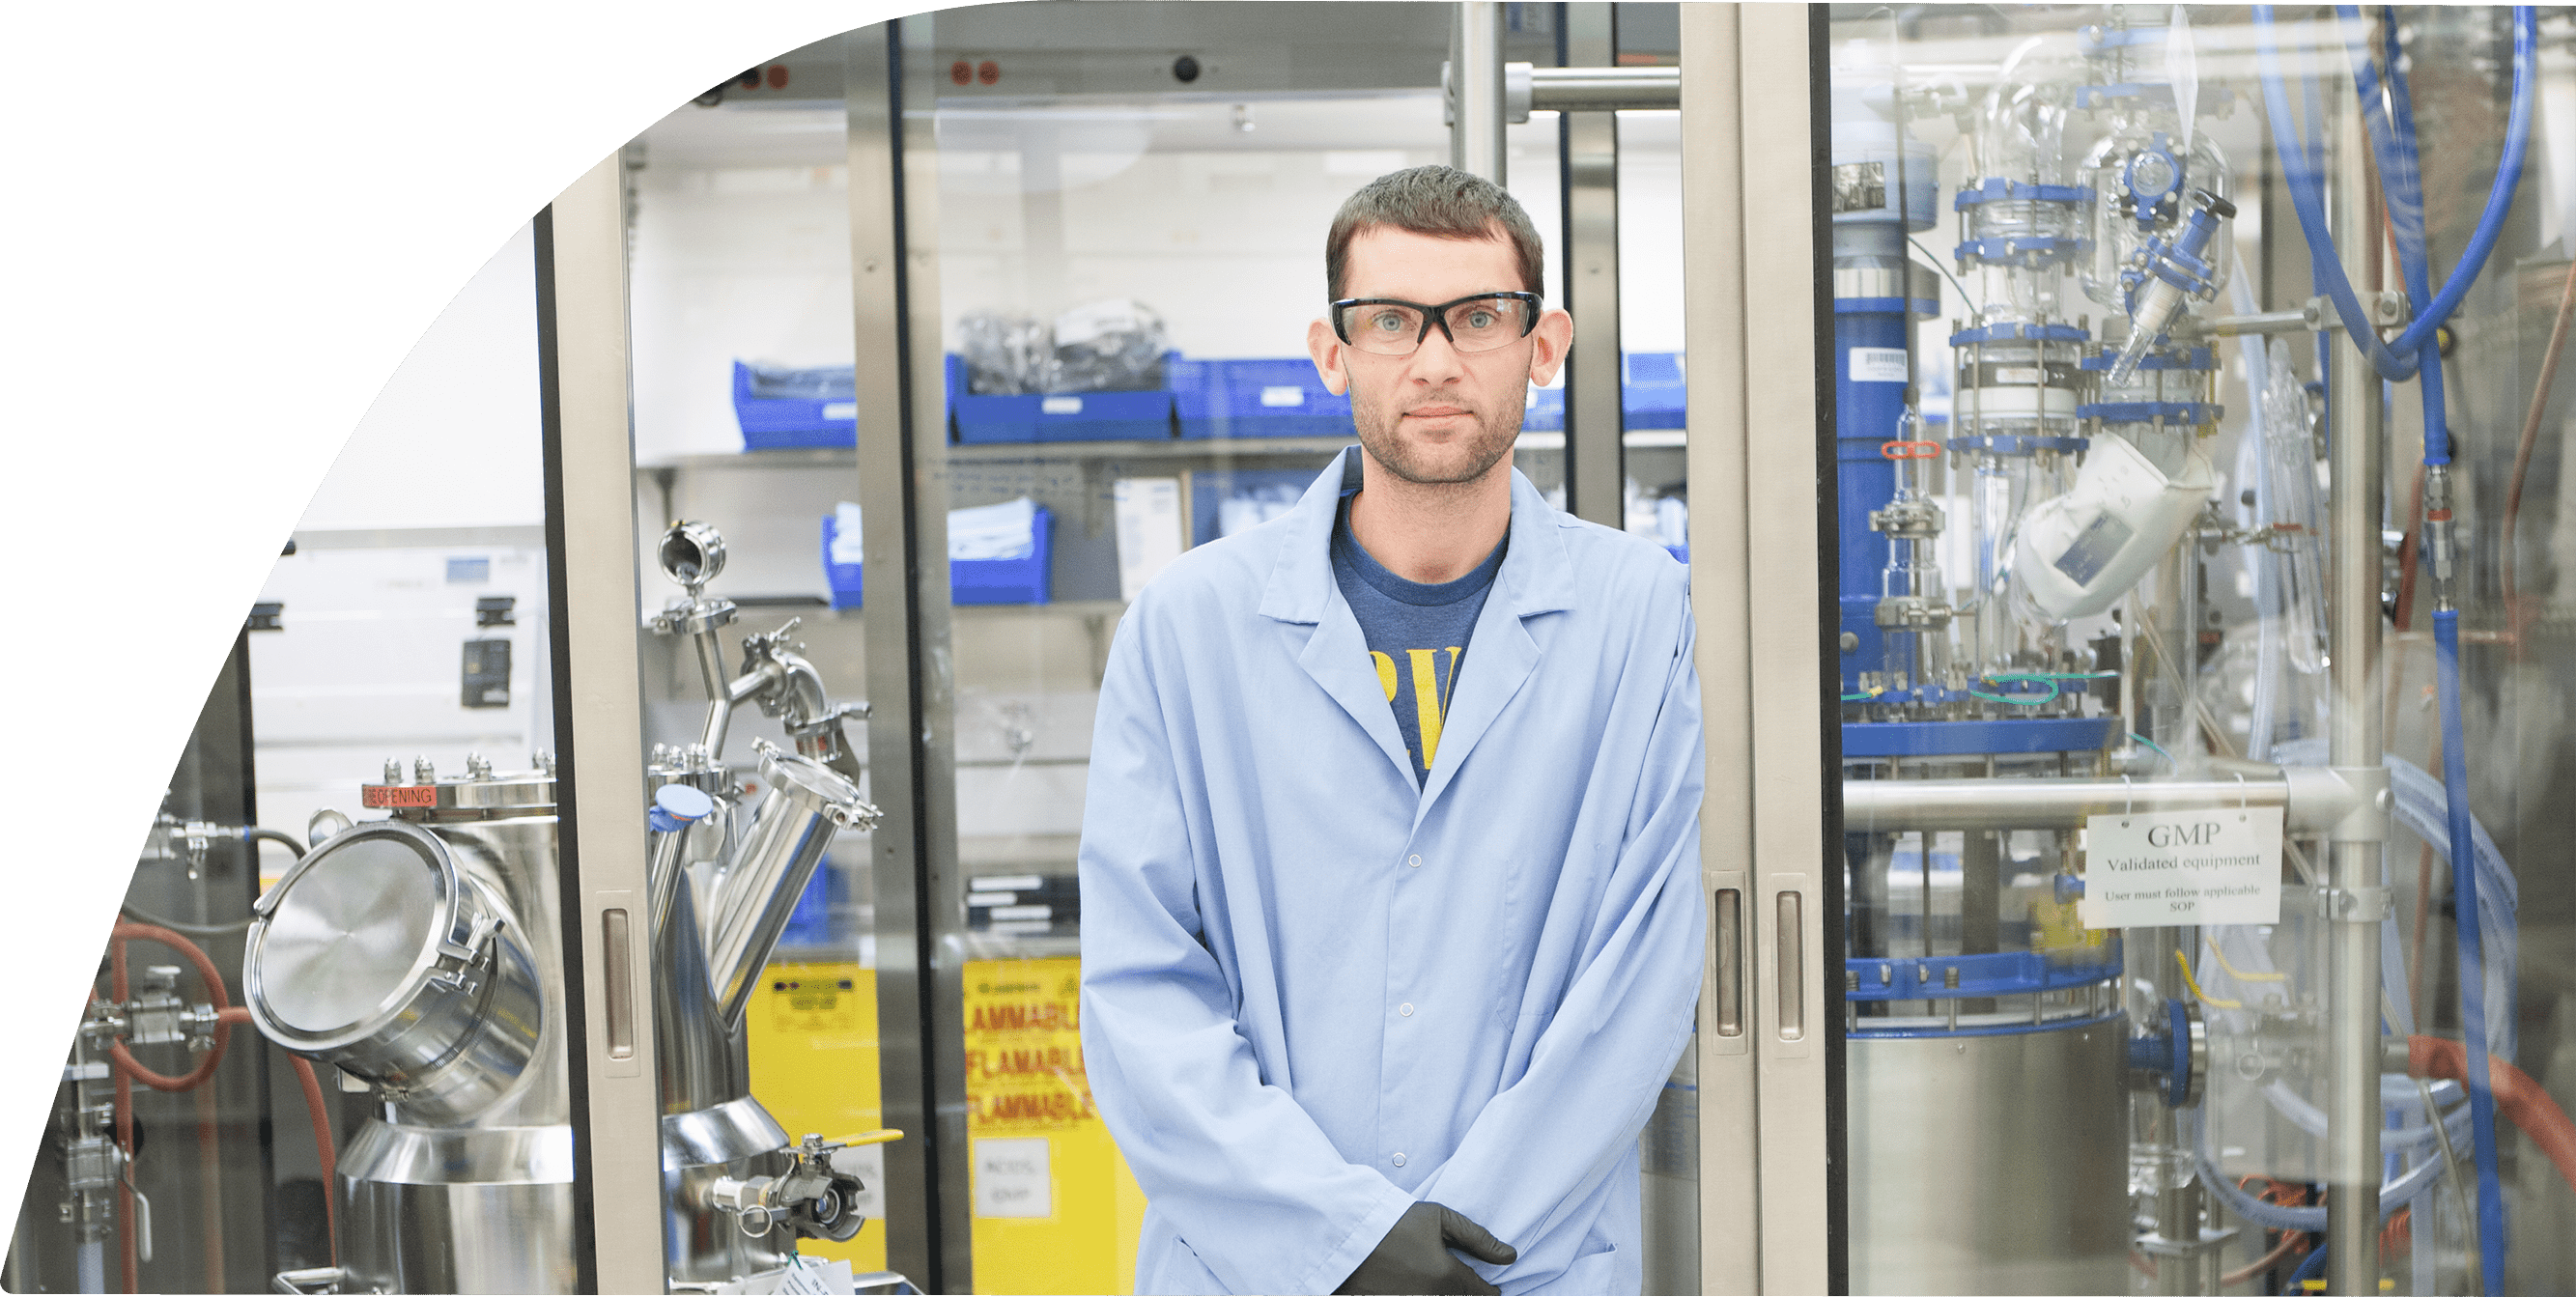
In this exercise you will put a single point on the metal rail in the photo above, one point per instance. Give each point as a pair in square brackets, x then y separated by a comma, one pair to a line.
[2313, 800]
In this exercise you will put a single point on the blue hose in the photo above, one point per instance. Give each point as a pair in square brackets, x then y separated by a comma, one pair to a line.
[2396, 361]
[2417, 353]
[2312, 1268]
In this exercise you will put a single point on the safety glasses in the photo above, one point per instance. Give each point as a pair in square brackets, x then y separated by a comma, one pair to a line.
[1387, 326]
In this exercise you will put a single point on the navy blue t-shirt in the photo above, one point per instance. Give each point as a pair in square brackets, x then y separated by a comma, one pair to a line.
[1417, 634]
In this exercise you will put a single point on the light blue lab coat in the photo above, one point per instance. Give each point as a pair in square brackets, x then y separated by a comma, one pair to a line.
[1312, 994]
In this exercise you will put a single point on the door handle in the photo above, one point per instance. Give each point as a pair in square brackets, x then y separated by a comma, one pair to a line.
[1791, 944]
[616, 948]
[1729, 951]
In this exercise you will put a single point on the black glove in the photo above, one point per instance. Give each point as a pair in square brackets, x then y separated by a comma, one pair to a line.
[1414, 1256]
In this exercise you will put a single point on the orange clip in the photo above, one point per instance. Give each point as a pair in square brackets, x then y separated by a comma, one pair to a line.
[1911, 449]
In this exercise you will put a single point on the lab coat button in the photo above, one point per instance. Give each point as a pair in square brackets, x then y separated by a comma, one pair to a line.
[1415, 861]
[1399, 1159]
[1405, 1009]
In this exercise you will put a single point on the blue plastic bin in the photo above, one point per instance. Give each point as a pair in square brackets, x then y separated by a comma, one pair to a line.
[1068, 416]
[1654, 395]
[1546, 410]
[1255, 398]
[787, 423]
[970, 581]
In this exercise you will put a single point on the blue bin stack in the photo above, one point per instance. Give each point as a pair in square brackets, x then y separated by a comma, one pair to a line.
[970, 581]
[1652, 394]
[1063, 416]
[1255, 398]
[791, 409]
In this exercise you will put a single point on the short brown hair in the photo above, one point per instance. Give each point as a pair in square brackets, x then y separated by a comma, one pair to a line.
[1442, 202]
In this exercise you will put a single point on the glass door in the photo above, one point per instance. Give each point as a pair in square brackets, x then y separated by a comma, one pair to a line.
[2192, 639]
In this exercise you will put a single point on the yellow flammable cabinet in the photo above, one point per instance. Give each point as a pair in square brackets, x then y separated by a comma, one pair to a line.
[1056, 1210]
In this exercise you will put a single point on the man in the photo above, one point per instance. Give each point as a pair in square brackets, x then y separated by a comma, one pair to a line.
[1390, 864]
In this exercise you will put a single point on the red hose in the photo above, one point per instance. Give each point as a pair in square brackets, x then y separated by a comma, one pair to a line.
[2516, 1096]
[321, 1143]
[204, 1071]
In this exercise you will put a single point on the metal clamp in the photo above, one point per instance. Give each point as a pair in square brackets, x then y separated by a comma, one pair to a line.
[2354, 904]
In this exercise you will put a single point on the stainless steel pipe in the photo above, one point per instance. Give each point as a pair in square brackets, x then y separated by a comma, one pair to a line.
[1577, 90]
[2357, 468]
[1476, 90]
[2314, 800]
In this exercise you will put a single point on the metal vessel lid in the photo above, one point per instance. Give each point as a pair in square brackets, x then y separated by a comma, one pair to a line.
[478, 795]
[346, 935]
[814, 786]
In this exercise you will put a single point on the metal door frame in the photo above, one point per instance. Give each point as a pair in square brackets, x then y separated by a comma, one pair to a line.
[1761, 422]
[912, 762]
[587, 402]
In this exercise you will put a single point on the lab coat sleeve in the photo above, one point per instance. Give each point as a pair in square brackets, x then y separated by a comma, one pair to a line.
[1542, 1146]
[1253, 1186]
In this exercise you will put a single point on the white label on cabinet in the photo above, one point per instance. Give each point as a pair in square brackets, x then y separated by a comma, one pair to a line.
[1061, 405]
[1277, 396]
[2162, 869]
[1012, 1179]
[834, 411]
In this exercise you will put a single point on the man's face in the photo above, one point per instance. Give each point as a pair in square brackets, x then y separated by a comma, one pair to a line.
[1436, 416]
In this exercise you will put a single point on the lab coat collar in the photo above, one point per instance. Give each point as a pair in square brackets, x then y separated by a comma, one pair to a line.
[1536, 575]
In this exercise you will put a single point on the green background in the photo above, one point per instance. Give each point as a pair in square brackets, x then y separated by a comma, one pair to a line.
[225, 227]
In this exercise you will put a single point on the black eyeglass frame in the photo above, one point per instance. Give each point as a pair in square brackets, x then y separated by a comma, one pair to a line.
[1436, 316]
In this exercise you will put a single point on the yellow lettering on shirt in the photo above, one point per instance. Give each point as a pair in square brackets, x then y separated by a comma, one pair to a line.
[1430, 702]
[1385, 672]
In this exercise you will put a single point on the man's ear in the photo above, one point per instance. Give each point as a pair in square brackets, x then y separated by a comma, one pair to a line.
[1548, 344]
[1327, 352]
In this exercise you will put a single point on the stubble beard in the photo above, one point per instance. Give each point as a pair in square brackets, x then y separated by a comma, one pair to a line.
[1496, 431]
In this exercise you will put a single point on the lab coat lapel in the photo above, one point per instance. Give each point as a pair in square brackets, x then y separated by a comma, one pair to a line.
[1302, 590]
[1337, 657]
[1536, 578]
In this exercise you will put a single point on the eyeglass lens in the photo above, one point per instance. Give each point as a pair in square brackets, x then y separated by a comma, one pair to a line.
[1395, 329]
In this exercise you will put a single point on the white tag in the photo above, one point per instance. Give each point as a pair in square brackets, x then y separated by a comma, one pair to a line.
[1278, 396]
[2162, 869]
[837, 410]
[1061, 405]
[2022, 374]
[818, 1277]
[1878, 364]
[1148, 511]
[1011, 1178]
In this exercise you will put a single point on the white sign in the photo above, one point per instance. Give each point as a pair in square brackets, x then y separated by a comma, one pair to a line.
[2165, 869]
[1148, 511]
[1878, 364]
[1011, 1178]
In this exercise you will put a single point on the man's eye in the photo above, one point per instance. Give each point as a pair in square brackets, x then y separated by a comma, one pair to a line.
[1387, 322]
[1481, 318]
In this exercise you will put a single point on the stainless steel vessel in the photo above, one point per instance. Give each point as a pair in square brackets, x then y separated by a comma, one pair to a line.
[1985, 1163]
[422, 956]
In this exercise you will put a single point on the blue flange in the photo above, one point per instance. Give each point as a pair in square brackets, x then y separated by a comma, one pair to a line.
[2020, 333]
[2167, 1052]
[1979, 738]
[1996, 189]
[2028, 252]
[2010, 972]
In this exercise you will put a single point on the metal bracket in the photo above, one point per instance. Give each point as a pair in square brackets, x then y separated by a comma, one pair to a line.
[2354, 904]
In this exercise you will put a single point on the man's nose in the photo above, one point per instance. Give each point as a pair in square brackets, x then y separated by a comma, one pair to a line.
[1436, 361]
